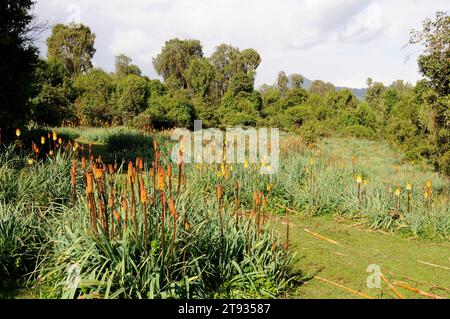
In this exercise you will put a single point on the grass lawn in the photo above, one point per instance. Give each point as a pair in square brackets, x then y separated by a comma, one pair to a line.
[399, 258]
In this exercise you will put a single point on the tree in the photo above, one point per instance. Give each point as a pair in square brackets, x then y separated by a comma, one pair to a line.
[123, 67]
[321, 88]
[231, 63]
[171, 110]
[375, 98]
[200, 76]
[174, 59]
[282, 82]
[222, 60]
[296, 81]
[434, 63]
[95, 89]
[51, 103]
[130, 98]
[241, 83]
[19, 58]
[247, 62]
[73, 45]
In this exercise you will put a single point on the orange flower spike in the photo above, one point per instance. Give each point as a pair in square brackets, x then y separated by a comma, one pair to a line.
[219, 192]
[169, 171]
[89, 183]
[172, 209]
[117, 215]
[130, 169]
[161, 176]
[55, 136]
[83, 163]
[144, 195]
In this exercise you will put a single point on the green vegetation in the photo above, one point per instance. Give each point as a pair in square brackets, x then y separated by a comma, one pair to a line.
[156, 229]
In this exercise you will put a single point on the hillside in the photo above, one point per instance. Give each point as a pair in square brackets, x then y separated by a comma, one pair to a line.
[359, 93]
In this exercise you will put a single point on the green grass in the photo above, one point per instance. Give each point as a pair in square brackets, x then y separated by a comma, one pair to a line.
[396, 255]
[319, 183]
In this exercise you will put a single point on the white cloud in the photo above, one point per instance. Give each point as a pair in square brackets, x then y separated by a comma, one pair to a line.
[343, 42]
[363, 26]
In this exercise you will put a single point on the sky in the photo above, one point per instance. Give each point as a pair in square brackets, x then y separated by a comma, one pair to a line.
[339, 41]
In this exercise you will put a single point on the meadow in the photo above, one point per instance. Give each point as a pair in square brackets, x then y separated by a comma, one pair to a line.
[103, 213]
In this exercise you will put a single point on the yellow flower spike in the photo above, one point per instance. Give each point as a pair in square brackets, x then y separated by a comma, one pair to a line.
[30, 161]
[425, 195]
[42, 140]
[18, 132]
[224, 169]
[428, 184]
[311, 161]
[359, 179]
[219, 174]
[397, 192]
[60, 140]
[307, 170]
[246, 164]
[408, 187]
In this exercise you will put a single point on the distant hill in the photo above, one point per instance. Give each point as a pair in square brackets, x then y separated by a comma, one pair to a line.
[359, 93]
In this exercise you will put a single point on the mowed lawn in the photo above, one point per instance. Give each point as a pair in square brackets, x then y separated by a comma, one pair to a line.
[400, 259]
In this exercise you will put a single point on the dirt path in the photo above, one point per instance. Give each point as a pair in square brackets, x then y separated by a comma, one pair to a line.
[419, 264]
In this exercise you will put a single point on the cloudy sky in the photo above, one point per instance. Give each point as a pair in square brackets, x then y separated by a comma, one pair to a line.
[340, 41]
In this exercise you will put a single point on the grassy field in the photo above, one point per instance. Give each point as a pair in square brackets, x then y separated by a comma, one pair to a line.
[131, 233]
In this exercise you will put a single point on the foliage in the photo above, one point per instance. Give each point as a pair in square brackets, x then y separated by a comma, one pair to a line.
[73, 45]
[19, 57]
[95, 89]
[129, 98]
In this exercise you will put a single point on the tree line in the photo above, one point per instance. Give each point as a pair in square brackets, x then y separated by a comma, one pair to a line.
[65, 89]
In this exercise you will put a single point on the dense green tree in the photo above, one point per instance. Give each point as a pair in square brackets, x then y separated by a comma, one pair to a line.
[73, 45]
[295, 96]
[343, 99]
[231, 64]
[321, 88]
[434, 64]
[200, 76]
[247, 62]
[124, 67]
[240, 110]
[93, 105]
[19, 58]
[296, 81]
[222, 60]
[174, 109]
[174, 59]
[130, 98]
[282, 83]
[53, 94]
